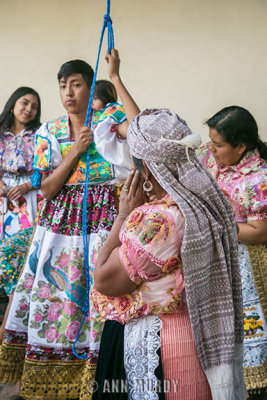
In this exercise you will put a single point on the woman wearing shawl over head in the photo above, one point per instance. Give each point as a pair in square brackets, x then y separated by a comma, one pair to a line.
[167, 280]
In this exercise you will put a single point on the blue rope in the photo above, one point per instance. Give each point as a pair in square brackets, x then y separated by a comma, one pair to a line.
[107, 24]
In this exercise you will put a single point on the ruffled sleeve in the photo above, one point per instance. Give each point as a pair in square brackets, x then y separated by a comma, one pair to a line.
[113, 148]
[151, 242]
[47, 155]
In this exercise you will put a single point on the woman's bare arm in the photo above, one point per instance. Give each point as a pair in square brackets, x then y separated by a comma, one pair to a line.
[110, 276]
[131, 108]
[254, 232]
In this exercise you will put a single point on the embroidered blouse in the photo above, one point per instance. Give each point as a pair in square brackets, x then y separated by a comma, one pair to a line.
[109, 157]
[151, 240]
[244, 184]
[16, 153]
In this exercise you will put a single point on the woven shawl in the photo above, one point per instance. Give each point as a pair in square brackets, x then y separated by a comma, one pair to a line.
[209, 248]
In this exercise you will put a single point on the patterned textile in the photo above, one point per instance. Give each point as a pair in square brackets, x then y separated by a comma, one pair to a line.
[181, 366]
[53, 142]
[3, 304]
[109, 143]
[151, 240]
[152, 357]
[114, 111]
[209, 249]
[245, 185]
[255, 329]
[142, 334]
[16, 155]
[47, 306]
[49, 138]
[12, 256]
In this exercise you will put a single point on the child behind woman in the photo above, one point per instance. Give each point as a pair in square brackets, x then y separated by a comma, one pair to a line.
[105, 93]
[105, 97]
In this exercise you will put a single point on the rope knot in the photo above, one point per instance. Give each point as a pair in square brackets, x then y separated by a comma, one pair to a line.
[107, 20]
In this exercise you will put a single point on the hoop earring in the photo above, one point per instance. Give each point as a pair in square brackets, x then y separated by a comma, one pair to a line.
[149, 188]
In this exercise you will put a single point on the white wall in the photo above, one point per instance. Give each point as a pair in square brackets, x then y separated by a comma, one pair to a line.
[194, 56]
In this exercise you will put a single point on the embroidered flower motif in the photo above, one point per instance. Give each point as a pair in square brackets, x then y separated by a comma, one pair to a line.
[75, 254]
[44, 292]
[38, 317]
[252, 323]
[63, 260]
[134, 219]
[171, 264]
[74, 274]
[70, 308]
[263, 186]
[28, 284]
[53, 312]
[52, 334]
[260, 189]
[72, 330]
[122, 304]
[23, 306]
[156, 228]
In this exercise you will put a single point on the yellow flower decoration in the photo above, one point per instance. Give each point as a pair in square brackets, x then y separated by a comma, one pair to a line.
[246, 326]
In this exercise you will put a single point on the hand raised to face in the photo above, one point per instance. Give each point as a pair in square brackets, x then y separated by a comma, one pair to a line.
[132, 195]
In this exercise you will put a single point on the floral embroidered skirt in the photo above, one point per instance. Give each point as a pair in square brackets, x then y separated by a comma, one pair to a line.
[46, 312]
[16, 216]
[253, 266]
[16, 226]
[12, 256]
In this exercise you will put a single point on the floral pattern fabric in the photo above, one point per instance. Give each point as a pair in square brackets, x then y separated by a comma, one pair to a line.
[16, 153]
[49, 299]
[150, 251]
[16, 156]
[12, 256]
[244, 184]
[255, 329]
[53, 142]
[100, 170]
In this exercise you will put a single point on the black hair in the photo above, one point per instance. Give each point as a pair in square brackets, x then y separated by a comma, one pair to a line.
[236, 125]
[7, 116]
[138, 163]
[76, 67]
[106, 92]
